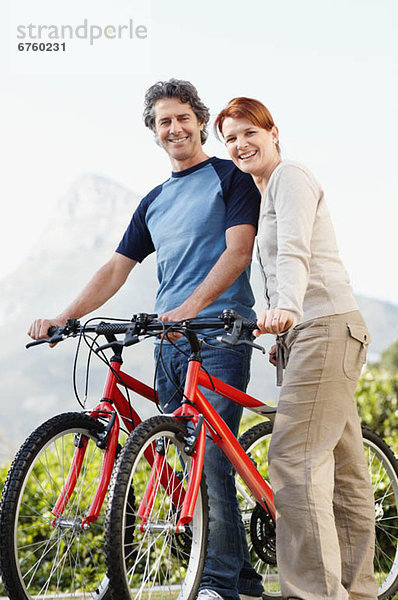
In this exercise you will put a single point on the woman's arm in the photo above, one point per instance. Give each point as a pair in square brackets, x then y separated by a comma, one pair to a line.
[296, 200]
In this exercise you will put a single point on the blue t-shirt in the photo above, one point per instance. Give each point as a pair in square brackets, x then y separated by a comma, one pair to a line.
[184, 220]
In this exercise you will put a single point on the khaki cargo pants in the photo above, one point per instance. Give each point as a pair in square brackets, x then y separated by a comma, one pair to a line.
[325, 511]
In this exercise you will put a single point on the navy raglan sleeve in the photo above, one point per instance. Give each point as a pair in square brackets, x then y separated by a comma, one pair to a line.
[137, 242]
[241, 196]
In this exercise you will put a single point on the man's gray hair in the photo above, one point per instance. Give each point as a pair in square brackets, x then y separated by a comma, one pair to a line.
[185, 92]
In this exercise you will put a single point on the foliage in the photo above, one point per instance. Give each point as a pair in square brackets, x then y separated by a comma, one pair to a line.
[249, 419]
[377, 398]
[3, 475]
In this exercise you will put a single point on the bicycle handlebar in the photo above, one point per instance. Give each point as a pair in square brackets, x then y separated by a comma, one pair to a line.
[144, 323]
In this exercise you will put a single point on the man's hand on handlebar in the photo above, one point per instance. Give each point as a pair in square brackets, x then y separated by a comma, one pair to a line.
[39, 328]
[177, 314]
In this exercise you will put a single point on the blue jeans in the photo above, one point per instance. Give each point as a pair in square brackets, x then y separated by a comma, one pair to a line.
[227, 568]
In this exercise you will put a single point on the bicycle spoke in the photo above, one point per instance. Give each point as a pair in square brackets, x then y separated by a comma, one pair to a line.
[155, 560]
[384, 479]
[256, 442]
[54, 554]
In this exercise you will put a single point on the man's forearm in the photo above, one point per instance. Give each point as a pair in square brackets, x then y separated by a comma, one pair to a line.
[224, 273]
[232, 262]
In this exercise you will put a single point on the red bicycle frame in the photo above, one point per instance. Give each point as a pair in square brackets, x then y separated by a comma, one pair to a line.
[221, 435]
[113, 402]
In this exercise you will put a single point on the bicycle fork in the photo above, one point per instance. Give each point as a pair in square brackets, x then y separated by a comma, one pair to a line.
[109, 443]
[104, 409]
[163, 474]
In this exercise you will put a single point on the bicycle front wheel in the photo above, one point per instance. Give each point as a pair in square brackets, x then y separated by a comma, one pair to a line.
[42, 556]
[146, 558]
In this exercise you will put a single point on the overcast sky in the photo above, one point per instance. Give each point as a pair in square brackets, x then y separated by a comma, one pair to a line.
[327, 70]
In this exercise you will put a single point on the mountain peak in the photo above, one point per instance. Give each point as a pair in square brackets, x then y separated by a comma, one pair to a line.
[93, 213]
[91, 195]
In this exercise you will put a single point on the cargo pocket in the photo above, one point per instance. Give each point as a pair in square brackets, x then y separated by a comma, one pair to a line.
[356, 349]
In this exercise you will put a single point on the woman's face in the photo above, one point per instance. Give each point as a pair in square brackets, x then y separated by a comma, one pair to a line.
[252, 149]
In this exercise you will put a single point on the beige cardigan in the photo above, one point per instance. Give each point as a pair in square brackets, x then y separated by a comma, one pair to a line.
[297, 250]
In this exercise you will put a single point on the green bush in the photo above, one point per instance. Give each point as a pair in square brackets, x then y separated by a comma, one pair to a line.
[377, 398]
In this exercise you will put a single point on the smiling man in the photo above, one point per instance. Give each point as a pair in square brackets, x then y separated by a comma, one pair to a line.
[201, 223]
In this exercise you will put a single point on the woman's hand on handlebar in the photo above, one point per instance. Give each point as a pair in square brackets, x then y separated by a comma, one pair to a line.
[274, 320]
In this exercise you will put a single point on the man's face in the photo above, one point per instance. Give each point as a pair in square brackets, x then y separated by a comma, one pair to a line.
[178, 131]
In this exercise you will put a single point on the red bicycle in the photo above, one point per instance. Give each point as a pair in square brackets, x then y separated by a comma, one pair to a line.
[157, 519]
[52, 508]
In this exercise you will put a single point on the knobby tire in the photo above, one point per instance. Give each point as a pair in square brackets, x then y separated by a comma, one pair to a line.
[39, 555]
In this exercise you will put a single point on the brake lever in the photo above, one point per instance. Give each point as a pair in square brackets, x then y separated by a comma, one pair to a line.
[131, 336]
[253, 345]
[228, 339]
[129, 340]
[232, 339]
[110, 345]
[53, 340]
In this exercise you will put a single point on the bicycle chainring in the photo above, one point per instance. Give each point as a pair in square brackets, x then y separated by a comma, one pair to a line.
[262, 535]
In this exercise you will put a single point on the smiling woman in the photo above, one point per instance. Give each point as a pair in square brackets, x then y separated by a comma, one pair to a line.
[251, 138]
[249, 109]
[322, 343]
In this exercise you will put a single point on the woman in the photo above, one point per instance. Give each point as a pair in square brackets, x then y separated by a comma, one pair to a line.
[325, 523]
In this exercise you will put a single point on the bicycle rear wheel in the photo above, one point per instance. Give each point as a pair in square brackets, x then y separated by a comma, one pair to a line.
[260, 536]
[41, 556]
[383, 471]
[151, 560]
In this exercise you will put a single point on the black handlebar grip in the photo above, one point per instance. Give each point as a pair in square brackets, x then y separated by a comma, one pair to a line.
[111, 328]
[250, 325]
[51, 330]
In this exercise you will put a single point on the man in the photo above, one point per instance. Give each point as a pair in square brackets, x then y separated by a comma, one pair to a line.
[201, 222]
